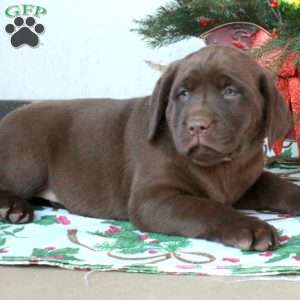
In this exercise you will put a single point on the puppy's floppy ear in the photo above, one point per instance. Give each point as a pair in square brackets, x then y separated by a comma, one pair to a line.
[159, 100]
[277, 115]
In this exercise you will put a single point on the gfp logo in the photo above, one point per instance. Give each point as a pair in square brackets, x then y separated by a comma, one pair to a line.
[25, 29]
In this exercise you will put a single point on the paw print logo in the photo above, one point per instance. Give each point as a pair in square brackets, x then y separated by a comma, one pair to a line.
[24, 32]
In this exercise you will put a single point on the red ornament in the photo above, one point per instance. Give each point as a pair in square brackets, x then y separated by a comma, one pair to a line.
[204, 22]
[288, 83]
[274, 4]
[266, 253]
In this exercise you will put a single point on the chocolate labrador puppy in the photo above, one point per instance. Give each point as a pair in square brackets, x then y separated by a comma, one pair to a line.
[178, 162]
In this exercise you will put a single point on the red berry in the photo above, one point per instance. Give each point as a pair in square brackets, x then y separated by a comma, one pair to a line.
[112, 230]
[267, 253]
[50, 248]
[58, 256]
[154, 241]
[274, 4]
[153, 251]
[204, 22]
[231, 259]
[63, 220]
[143, 237]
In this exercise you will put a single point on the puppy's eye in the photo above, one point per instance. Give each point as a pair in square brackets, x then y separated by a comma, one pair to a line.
[183, 93]
[230, 92]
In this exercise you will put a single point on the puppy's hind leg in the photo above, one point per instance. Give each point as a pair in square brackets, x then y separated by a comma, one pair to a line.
[17, 186]
[22, 174]
[23, 164]
[14, 209]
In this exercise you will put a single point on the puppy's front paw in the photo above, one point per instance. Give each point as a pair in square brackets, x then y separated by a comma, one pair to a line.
[250, 234]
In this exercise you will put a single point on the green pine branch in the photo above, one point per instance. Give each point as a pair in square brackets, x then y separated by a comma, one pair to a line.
[179, 19]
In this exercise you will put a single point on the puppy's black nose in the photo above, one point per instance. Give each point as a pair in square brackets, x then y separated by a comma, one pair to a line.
[198, 127]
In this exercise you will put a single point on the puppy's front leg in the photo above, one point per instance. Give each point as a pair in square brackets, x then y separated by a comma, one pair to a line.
[272, 193]
[169, 212]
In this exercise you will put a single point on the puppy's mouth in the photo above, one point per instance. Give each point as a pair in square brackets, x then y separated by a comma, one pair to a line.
[205, 151]
[198, 142]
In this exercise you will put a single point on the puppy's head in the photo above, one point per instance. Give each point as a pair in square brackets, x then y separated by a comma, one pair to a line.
[217, 102]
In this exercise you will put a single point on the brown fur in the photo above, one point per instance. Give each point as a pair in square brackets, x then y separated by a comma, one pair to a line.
[140, 160]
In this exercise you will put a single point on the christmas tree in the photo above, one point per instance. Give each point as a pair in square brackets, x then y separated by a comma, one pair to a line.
[180, 19]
